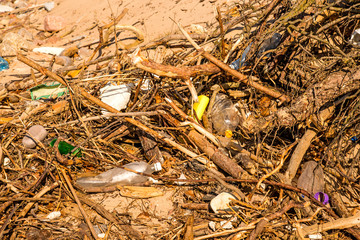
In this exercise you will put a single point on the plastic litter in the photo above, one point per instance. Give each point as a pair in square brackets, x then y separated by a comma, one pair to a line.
[117, 96]
[98, 231]
[355, 37]
[146, 85]
[212, 225]
[182, 177]
[269, 44]
[322, 197]
[48, 91]
[226, 224]
[66, 148]
[36, 132]
[224, 115]
[49, 6]
[200, 106]
[312, 178]
[6, 161]
[3, 64]
[120, 176]
[5, 119]
[315, 236]
[49, 50]
[354, 139]
[241, 61]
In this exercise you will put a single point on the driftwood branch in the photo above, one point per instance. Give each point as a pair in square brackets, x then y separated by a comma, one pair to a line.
[340, 223]
[302, 147]
[308, 103]
[266, 220]
[315, 97]
[183, 72]
[251, 81]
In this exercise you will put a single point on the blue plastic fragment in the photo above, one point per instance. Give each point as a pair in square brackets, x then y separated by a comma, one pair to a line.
[354, 139]
[270, 43]
[243, 56]
[235, 64]
[3, 64]
[240, 62]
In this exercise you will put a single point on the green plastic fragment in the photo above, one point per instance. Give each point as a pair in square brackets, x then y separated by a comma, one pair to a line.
[66, 148]
[48, 90]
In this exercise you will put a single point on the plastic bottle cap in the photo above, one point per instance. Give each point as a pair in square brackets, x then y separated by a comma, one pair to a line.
[157, 167]
[228, 133]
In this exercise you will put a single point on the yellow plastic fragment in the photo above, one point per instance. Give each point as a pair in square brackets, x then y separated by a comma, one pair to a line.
[200, 106]
[73, 73]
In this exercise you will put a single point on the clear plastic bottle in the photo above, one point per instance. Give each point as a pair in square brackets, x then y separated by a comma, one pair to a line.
[120, 176]
[224, 115]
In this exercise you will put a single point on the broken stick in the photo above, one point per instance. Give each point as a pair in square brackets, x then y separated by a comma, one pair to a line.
[245, 79]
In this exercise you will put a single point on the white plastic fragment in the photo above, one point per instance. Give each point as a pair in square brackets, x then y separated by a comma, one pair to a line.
[212, 225]
[53, 215]
[226, 224]
[49, 6]
[157, 166]
[315, 236]
[221, 202]
[6, 161]
[182, 176]
[146, 85]
[49, 50]
[117, 96]
[4, 8]
[355, 37]
[99, 233]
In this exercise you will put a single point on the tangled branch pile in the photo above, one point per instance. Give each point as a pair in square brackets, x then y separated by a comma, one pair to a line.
[291, 165]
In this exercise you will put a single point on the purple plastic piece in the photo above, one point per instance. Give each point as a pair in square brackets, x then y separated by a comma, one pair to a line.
[325, 196]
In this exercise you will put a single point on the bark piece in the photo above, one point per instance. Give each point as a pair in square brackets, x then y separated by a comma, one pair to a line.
[151, 149]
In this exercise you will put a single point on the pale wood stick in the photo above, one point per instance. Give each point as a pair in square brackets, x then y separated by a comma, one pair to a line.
[340, 223]
[303, 145]
[87, 220]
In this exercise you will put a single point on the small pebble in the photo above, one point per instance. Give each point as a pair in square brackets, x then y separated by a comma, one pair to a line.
[13, 98]
[60, 106]
[54, 23]
[38, 132]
